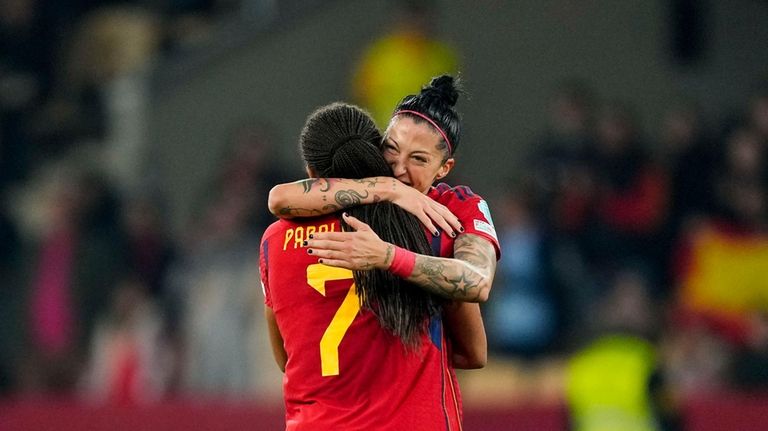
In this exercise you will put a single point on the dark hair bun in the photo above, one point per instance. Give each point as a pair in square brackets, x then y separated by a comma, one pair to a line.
[445, 87]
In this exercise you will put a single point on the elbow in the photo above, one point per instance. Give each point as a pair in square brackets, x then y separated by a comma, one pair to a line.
[472, 361]
[483, 293]
[276, 201]
[478, 361]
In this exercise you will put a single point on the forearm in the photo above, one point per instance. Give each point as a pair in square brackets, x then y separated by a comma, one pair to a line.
[465, 329]
[317, 196]
[452, 278]
[275, 339]
[466, 277]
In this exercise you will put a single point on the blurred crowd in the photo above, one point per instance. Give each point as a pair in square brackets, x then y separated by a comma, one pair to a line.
[97, 296]
[651, 242]
[608, 236]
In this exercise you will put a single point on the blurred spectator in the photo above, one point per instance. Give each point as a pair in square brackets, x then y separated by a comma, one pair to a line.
[742, 179]
[695, 359]
[10, 243]
[691, 161]
[749, 369]
[631, 201]
[247, 169]
[564, 186]
[68, 282]
[559, 159]
[129, 363]
[150, 250]
[613, 382]
[26, 49]
[722, 270]
[401, 60]
[216, 284]
[521, 319]
[722, 277]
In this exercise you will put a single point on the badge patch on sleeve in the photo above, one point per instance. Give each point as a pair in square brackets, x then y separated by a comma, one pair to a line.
[484, 226]
[483, 207]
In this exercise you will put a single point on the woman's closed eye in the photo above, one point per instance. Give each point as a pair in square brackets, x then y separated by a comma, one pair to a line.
[390, 148]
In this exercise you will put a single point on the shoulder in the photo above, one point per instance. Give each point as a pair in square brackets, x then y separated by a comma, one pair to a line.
[443, 192]
[275, 227]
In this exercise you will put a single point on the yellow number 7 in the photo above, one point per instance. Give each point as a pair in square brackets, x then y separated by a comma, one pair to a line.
[317, 275]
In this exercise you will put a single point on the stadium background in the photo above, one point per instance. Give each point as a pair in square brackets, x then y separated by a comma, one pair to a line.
[180, 108]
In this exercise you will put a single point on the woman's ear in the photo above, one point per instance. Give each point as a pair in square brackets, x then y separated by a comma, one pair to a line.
[445, 168]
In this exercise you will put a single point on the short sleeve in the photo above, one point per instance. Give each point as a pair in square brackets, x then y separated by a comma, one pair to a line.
[473, 213]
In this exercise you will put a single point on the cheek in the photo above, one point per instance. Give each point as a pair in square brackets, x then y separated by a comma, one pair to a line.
[421, 174]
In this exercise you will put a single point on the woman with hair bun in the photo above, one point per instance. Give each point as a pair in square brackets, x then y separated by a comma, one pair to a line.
[364, 349]
[419, 144]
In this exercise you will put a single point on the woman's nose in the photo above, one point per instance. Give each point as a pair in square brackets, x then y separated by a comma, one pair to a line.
[398, 168]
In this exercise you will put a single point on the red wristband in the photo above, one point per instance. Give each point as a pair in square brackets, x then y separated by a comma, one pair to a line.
[403, 262]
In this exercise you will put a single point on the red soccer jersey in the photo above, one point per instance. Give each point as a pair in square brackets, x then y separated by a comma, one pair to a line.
[344, 371]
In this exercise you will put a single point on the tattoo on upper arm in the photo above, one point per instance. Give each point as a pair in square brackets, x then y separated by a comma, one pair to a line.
[475, 250]
[348, 198]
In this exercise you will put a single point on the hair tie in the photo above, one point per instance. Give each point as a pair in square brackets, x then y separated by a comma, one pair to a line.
[432, 122]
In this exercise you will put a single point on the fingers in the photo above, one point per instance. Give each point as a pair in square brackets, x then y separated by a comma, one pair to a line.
[333, 258]
[332, 236]
[328, 254]
[444, 218]
[440, 220]
[354, 223]
[337, 263]
[427, 222]
[316, 245]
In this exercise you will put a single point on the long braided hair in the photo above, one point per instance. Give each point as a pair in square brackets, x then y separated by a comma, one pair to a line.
[341, 140]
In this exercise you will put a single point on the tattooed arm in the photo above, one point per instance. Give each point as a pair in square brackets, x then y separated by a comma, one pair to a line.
[317, 196]
[467, 276]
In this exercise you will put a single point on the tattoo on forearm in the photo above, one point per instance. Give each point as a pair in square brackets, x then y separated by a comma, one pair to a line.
[369, 182]
[307, 184]
[348, 198]
[325, 184]
[388, 257]
[464, 278]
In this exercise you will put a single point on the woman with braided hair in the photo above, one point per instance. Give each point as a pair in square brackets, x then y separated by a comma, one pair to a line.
[362, 349]
[420, 143]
